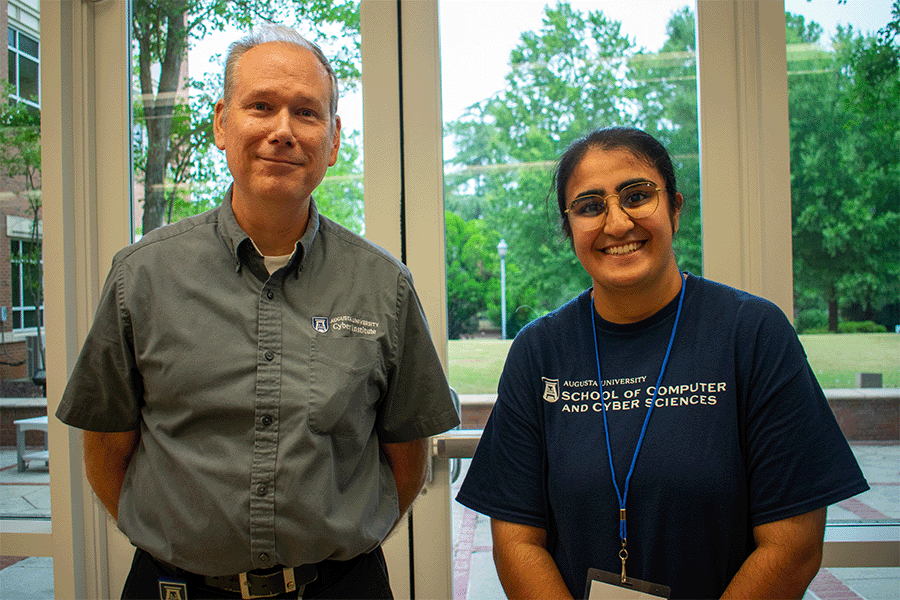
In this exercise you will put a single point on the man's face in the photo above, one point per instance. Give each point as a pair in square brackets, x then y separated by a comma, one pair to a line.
[278, 136]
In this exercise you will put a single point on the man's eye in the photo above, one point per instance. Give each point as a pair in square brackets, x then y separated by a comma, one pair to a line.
[259, 106]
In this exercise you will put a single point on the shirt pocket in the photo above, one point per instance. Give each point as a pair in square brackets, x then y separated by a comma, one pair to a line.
[344, 375]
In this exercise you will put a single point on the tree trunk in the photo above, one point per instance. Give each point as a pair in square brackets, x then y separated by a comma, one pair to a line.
[158, 111]
[833, 312]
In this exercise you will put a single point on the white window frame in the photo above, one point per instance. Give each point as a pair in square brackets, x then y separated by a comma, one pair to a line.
[18, 308]
[87, 186]
[17, 50]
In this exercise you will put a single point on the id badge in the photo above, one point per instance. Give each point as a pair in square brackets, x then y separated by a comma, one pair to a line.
[602, 585]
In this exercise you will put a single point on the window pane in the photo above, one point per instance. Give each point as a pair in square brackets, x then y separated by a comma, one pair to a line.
[511, 106]
[843, 103]
[24, 478]
[516, 92]
[16, 272]
[13, 69]
[193, 175]
[28, 79]
[33, 285]
[28, 45]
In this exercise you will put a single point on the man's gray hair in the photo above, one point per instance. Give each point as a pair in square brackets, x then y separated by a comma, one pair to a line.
[274, 33]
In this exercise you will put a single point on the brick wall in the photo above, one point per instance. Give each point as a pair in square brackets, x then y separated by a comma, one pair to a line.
[12, 203]
[870, 419]
[4, 29]
[11, 354]
[864, 415]
[9, 414]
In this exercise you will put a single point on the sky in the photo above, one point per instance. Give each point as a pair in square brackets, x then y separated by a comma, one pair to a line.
[478, 35]
[474, 73]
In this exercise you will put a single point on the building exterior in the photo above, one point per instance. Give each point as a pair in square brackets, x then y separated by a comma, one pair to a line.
[20, 312]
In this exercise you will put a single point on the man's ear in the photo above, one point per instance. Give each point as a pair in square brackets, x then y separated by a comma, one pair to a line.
[335, 142]
[219, 124]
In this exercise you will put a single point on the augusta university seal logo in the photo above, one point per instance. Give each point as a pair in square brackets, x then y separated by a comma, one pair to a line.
[320, 324]
[551, 389]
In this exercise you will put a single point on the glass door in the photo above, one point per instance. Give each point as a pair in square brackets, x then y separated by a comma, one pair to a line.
[843, 101]
[177, 80]
[520, 81]
[24, 457]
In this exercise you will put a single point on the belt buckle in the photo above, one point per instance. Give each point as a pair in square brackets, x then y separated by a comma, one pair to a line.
[290, 585]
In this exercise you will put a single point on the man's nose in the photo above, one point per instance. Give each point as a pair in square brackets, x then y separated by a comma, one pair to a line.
[282, 131]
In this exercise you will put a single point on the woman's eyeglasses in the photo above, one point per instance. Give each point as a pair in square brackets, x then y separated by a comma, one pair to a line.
[638, 201]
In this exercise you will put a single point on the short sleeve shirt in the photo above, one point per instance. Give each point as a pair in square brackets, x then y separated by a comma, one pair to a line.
[261, 399]
[740, 435]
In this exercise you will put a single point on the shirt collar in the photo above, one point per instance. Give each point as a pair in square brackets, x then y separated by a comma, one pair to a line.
[240, 246]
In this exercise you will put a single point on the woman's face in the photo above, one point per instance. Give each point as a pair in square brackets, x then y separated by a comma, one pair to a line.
[623, 255]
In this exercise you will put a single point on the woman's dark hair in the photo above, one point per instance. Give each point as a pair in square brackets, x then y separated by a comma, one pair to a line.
[640, 144]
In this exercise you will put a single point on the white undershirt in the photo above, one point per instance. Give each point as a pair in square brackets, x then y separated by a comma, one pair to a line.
[273, 263]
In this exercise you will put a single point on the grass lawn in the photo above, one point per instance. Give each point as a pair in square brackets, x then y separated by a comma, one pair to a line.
[475, 365]
[836, 358]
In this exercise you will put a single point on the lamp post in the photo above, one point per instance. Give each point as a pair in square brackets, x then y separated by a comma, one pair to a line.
[501, 249]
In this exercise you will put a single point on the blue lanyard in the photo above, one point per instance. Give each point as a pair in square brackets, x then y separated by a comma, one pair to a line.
[624, 497]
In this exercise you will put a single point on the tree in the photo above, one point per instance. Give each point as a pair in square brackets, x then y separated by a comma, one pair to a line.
[162, 30]
[845, 172]
[576, 73]
[667, 83]
[20, 156]
[470, 270]
[340, 195]
[569, 77]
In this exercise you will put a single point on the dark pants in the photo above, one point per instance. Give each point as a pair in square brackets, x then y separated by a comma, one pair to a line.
[362, 578]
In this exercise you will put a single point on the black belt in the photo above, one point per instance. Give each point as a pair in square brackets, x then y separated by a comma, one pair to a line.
[265, 583]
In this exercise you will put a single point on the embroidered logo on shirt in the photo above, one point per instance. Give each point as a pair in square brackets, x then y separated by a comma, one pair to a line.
[354, 325]
[345, 323]
[551, 389]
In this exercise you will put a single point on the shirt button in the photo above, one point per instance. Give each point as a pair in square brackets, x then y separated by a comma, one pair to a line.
[269, 355]
[261, 490]
[263, 557]
[270, 294]
[266, 420]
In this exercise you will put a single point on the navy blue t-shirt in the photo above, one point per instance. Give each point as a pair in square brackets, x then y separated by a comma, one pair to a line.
[740, 435]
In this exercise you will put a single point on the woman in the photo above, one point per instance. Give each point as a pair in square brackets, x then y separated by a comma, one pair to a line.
[686, 403]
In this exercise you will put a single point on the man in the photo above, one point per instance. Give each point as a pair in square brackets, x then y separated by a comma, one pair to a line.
[259, 383]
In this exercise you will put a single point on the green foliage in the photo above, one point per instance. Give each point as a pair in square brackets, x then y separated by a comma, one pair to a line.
[843, 120]
[470, 273]
[182, 174]
[861, 327]
[20, 156]
[668, 86]
[563, 83]
[20, 133]
[576, 73]
[340, 195]
[812, 320]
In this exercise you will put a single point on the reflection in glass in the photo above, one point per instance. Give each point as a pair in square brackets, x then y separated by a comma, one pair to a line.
[24, 470]
[843, 100]
[568, 69]
[178, 171]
